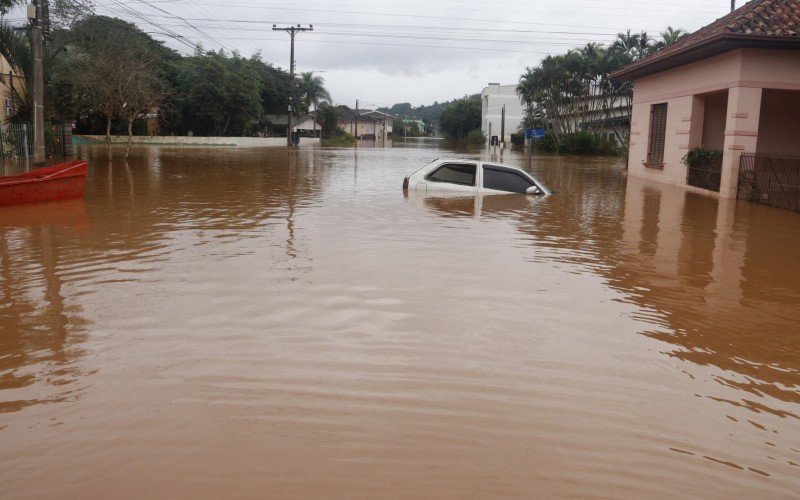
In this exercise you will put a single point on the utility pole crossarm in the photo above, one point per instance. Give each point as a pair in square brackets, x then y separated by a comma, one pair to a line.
[292, 30]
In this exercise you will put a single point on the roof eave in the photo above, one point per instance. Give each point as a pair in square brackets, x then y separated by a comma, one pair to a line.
[712, 46]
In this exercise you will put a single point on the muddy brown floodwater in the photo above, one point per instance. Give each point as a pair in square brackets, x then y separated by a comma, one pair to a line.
[227, 323]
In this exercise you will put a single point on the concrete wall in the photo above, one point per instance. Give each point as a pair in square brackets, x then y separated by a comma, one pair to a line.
[493, 98]
[234, 142]
[744, 73]
[779, 130]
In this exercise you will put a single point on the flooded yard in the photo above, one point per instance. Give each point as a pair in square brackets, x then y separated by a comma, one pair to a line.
[233, 323]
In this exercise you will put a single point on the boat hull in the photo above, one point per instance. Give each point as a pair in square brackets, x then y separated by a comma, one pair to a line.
[59, 182]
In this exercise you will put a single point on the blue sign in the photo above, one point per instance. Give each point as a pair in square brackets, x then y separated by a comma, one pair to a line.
[534, 133]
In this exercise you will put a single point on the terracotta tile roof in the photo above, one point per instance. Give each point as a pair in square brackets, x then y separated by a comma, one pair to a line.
[756, 20]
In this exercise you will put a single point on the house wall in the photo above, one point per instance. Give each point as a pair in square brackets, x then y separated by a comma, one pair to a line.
[365, 127]
[779, 130]
[9, 77]
[493, 98]
[744, 73]
[715, 116]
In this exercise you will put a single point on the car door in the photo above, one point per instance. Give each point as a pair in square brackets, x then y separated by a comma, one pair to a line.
[499, 179]
[453, 176]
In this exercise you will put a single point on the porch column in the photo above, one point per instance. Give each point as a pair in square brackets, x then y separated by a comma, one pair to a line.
[741, 134]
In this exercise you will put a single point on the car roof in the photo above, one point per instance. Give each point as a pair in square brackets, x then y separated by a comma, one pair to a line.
[468, 160]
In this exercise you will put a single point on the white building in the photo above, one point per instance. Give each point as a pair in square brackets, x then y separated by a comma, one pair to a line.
[493, 98]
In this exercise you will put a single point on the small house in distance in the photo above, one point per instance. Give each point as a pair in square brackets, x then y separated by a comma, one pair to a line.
[365, 124]
[732, 88]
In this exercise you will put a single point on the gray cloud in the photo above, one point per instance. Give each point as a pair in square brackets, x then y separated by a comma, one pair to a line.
[416, 51]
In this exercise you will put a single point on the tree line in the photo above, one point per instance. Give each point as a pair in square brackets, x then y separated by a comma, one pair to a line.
[566, 91]
[107, 75]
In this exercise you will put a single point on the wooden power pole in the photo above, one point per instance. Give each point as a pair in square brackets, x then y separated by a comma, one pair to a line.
[292, 30]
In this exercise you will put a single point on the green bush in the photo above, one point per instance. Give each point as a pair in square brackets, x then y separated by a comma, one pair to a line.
[701, 157]
[577, 143]
[342, 139]
[476, 137]
[518, 139]
[580, 143]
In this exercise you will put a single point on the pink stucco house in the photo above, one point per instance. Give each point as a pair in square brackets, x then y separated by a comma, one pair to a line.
[732, 86]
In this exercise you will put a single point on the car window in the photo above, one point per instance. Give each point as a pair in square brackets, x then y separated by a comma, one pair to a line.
[504, 180]
[454, 173]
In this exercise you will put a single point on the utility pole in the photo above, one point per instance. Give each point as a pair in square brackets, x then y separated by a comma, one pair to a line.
[34, 14]
[292, 30]
[503, 126]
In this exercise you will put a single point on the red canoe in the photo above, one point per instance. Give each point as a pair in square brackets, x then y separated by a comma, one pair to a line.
[58, 182]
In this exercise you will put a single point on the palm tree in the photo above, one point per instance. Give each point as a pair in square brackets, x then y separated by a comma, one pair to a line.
[636, 45]
[671, 35]
[313, 92]
[7, 5]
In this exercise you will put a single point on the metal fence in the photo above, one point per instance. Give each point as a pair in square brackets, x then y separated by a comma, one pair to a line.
[706, 175]
[770, 180]
[16, 140]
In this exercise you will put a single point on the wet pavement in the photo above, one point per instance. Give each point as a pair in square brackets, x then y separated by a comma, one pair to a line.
[233, 323]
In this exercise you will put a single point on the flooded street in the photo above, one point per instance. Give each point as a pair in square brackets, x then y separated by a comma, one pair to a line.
[284, 324]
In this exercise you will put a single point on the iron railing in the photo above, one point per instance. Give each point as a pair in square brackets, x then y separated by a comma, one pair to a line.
[706, 174]
[16, 140]
[770, 180]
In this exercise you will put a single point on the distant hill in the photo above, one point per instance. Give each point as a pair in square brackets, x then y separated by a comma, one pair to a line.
[430, 113]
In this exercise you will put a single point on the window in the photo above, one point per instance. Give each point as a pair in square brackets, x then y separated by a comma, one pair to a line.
[9, 108]
[658, 133]
[504, 180]
[453, 173]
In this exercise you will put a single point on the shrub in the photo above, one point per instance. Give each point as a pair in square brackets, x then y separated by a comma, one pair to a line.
[518, 139]
[701, 157]
[579, 143]
[339, 140]
[476, 137]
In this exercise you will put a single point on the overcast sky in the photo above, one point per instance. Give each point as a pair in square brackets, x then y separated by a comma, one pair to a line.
[419, 51]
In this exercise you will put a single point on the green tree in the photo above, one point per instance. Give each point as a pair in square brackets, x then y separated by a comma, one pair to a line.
[460, 117]
[329, 116]
[115, 70]
[219, 95]
[7, 5]
[566, 90]
[312, 91]
[670, 36]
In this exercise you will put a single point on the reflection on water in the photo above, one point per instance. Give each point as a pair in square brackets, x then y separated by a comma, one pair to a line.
[223, 323]
[722, 278]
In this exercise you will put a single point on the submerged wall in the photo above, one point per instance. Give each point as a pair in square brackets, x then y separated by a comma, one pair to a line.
[230, 142]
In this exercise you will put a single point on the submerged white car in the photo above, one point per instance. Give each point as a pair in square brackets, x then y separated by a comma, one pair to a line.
[468, 176]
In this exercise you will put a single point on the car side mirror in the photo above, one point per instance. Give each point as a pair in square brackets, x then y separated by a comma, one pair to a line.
[533, 190]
